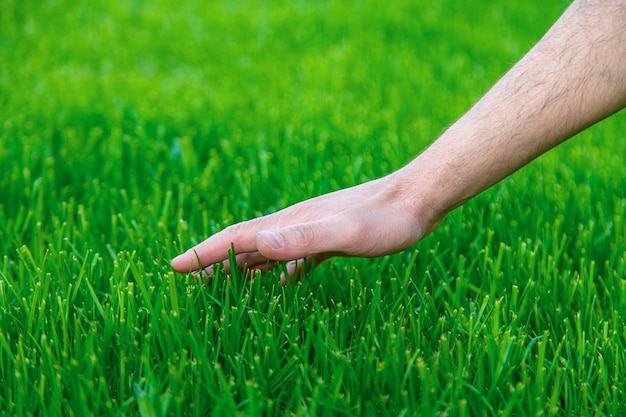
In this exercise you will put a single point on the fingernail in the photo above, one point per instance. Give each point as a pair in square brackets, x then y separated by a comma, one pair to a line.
[272, 239]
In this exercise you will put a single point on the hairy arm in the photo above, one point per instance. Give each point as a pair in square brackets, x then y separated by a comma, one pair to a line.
[574, 77]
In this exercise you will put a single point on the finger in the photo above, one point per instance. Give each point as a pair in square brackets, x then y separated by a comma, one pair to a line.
[250, 260]
[294, 270]
[253, 261]
[205, 274]
[264, 267]
[328, 236]
[241, 236]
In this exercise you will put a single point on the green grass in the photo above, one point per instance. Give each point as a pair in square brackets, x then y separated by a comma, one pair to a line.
[131, 130]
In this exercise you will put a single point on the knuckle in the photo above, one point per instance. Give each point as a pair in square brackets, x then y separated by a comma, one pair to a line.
[304, 234]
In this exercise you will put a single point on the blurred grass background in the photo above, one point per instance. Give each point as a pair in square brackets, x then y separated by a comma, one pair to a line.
[132, 130]
[236, 108]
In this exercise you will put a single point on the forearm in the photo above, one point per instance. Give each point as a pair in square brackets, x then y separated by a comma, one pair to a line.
[574, 77]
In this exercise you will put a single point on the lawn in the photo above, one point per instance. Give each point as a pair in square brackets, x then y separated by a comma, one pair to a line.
[130, 131]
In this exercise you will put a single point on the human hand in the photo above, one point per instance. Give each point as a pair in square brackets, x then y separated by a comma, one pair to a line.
[575, 77]
[372, 219]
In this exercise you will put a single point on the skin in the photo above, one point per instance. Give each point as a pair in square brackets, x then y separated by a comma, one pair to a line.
[574, 77]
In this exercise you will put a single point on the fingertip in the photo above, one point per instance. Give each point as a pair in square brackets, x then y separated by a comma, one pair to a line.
[292, 272]
[205, 275]
[182, 263]
[174, 263]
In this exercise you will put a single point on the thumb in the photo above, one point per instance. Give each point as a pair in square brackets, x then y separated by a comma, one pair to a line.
[296, 242]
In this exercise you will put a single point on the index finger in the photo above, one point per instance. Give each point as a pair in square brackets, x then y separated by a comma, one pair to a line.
[241, 236]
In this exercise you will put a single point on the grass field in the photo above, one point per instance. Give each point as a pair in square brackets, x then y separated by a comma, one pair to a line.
[131, 130]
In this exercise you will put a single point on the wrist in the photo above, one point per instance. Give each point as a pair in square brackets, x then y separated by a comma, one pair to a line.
[418, 195]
